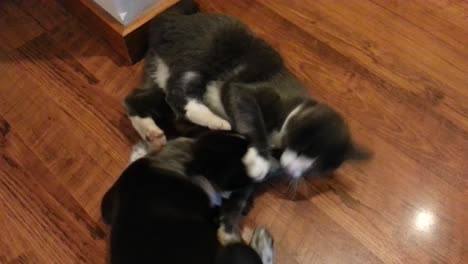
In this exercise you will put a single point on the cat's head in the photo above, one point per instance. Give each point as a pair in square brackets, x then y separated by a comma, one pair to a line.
[316, 141]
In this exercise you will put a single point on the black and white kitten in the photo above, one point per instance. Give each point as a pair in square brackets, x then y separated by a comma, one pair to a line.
[213, 71]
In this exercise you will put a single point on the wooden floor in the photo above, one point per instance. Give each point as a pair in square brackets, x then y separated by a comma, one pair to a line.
[397, 70]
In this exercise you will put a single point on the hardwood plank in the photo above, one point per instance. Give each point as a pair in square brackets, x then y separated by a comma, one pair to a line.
[88, 49]
[396, 70]
[127, 40]
[33, 221]
[435, 18]
[304, 233]
[14, 20]
[47, 14]
[101, 23]
[425, 77]
[62, 129]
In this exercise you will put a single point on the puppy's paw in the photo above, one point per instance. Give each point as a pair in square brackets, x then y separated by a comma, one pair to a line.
[262, 242]
[257, 166]
[226, 238]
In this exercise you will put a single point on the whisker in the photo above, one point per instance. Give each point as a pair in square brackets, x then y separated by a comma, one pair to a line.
[293, 187]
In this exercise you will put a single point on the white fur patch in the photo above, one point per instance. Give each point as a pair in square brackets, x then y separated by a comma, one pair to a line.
[226, 238]
[149, 131]
[143, 124]
[294, 164]
[277, 136]
[189, 76]
[213, 97]
[161, 74]
[139, 150]
[262, 242]
[226, 194]
[199, 114]
[257, 166]
[238, 69]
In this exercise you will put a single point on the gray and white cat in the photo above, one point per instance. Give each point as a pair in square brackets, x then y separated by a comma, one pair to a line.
[213, 71]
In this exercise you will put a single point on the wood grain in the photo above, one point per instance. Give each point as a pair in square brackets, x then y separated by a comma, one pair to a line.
[396, 70]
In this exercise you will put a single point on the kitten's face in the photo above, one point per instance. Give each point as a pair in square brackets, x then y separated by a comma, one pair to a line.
[316, 141]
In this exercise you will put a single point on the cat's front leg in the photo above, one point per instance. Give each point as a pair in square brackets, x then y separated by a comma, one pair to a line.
[183, 95]
[247, 119]
[143, 106]
[149, 131]
[200, 114]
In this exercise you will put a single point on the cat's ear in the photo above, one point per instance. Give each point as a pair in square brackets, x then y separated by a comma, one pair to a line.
[358, 153]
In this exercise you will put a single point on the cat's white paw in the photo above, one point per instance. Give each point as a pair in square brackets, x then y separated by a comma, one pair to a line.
[257, 166]
[156, 139]
[226, 238]
[199, 114]
[262, 242]
[149, 131]
[220, 124]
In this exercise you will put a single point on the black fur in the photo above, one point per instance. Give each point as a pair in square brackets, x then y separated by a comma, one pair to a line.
[223, 166]
[158, 214]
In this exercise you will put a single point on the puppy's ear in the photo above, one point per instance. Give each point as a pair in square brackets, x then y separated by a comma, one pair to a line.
[221, 143]
[358, 153]
[218, 157]
[111, 199]
[108, 204]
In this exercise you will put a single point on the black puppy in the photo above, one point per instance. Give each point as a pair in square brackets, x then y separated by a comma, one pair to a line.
[161, 209]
